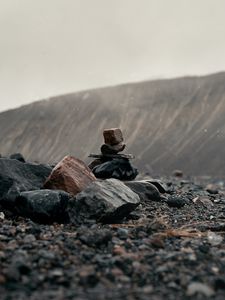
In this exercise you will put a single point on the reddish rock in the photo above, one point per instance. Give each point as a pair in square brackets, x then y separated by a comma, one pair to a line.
[70, 175]
[113, 136]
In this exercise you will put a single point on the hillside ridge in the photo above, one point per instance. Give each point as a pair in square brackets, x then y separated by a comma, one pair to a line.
[168, 124]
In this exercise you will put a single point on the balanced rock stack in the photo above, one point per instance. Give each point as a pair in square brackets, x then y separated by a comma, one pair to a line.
[113, 141]
[111, 164]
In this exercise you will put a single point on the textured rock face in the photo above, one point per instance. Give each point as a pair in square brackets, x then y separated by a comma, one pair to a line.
[16, 177]
[117, 168]
[162, 187]
[43, 206]
[104, 201]
[70, 175]
[145, 190]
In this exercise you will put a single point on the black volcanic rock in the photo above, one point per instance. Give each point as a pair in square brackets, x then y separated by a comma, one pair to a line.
[17, 156]
[118, 168]
[43, 206]
[176, 201]
[94, 237]
[112, 149]
[16, 177]
[145, 190]
[162, 187]
[105, 201]
[162, 253]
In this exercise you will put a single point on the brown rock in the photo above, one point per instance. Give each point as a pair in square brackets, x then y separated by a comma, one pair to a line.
[113, 136]
[108, 149]
[70, 175]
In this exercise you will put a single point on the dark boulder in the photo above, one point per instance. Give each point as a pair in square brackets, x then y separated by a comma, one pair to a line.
[16, 177]
[162, 187]
[43, 206]
[105, 201]
[176, 201]
[112, 149]
[145, 190]
[17, 156]
[178, 173]
[119, 168]
[95, 163]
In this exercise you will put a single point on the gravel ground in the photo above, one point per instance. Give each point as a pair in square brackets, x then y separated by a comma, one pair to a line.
[173, 249]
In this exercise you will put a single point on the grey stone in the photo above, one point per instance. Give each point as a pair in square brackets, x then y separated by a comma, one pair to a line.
[145, 190]
[176, 201]
[105, 201]
[201, 288]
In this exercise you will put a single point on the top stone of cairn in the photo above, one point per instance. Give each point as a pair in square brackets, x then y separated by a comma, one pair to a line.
[113, 136]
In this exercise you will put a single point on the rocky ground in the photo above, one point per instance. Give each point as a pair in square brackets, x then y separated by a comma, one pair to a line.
[170, 249]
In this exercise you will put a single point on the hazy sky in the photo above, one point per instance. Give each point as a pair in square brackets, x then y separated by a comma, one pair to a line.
[50, 47]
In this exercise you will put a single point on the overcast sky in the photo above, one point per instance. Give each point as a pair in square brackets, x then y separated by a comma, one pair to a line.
[50, 47]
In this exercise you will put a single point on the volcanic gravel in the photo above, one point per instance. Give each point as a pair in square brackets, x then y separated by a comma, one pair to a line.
[173, 249]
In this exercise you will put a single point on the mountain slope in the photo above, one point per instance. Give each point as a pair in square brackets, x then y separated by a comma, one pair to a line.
[167, 124]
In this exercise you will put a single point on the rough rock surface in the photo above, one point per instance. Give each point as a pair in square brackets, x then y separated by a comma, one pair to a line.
[176, 201]
[95, 163]
[145, 190]
[70, 175]
[43, 206]
[17, 156]
[117, 168]
[159, 253]
[104, 201]
[113, 136]
[16, 177]
[159, 184]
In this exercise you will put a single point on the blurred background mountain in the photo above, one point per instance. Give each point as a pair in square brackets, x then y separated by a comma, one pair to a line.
[167, 124]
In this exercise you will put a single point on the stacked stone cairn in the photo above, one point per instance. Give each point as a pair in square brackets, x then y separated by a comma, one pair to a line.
[110, 163]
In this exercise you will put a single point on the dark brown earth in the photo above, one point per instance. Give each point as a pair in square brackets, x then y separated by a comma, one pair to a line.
[167, 125]
[173, 249]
